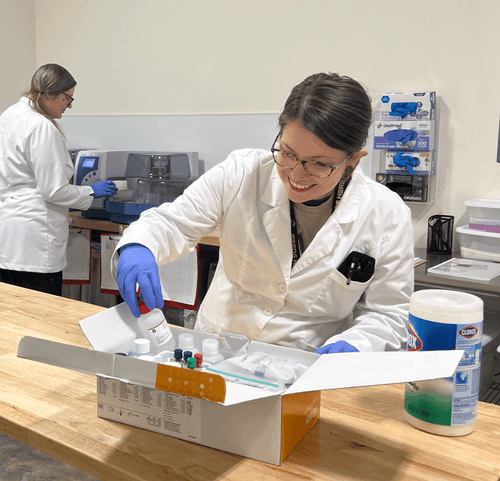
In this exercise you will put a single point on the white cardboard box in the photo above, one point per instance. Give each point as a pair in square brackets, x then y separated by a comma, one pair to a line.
[200, 407]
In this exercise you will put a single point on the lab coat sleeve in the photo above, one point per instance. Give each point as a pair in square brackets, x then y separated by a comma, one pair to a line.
[380, 317]
[48, 157]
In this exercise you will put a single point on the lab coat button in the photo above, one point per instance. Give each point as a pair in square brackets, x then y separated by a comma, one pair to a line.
[267, 311]
[282, 287]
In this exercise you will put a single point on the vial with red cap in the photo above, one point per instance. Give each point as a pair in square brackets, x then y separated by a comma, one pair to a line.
[154, 327]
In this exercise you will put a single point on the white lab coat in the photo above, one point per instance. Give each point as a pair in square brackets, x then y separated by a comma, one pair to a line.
[254, 290]
[35, 194]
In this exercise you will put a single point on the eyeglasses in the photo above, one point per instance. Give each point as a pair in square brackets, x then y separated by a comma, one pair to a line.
[71, 101]
[286, 159]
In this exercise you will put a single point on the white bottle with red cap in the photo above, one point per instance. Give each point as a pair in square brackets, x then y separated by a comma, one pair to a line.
[154, 327]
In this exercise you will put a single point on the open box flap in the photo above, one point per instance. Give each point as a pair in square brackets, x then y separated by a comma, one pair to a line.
[115, 329]
[111, 330]
[343, 370]
[330, 371]
[88, 361]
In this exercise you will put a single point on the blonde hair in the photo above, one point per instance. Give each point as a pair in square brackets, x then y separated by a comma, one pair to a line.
[49, 79]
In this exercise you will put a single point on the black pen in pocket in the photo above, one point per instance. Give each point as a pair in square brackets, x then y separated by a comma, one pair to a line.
[357, 267]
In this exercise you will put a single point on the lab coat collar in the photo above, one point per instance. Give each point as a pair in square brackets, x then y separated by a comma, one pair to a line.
[275, 193]
[348, 209]
[26, 101]
[277, 222]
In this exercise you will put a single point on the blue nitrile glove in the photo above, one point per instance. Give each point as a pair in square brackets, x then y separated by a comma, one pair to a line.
[401, 135]
[400, 160]
[402, 109]
[137, 264]
[105, 188]
[339, 346]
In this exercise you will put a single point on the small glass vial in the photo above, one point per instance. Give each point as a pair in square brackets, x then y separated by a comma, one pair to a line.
[210, 351]
[186, 343]
[154, 327]
[175, 359]
[186, 355]
[199, 360]
[178, 356]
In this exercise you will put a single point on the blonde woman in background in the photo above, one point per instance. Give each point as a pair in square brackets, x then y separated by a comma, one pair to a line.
[35, 193]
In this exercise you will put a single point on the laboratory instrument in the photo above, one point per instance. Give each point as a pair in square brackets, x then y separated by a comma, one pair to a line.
[152, 178]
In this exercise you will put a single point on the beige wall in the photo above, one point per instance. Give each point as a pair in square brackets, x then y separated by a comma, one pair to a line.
[217, 56]
[17, 49]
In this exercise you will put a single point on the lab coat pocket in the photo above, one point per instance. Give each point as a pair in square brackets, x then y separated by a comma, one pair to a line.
[336, 298]
[203, 323]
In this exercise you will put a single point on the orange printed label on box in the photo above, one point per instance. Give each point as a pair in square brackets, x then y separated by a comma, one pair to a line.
[190, 382]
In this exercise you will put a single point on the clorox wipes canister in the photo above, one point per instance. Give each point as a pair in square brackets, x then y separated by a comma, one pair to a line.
[445, 320]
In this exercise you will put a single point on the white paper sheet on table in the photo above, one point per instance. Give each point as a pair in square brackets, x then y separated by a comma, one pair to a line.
[179, 279]
[77, 255]
[108, 245]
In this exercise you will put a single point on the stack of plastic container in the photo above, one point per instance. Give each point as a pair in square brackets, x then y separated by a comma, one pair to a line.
[480, 239]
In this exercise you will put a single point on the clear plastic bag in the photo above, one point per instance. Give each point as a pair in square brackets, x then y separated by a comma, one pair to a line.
[261, 370]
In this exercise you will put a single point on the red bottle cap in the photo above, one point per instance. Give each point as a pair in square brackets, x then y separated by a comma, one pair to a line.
[199, 359]
[143, 309]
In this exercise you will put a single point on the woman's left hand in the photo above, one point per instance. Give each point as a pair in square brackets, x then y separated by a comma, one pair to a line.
[106, 188]
[339, 346]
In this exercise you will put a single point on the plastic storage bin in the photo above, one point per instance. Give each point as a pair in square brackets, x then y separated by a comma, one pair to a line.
[479, 244]
[484, 214]
[490, 358]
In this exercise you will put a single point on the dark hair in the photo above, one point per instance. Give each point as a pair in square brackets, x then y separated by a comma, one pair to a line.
[48, 79]
[335, 108]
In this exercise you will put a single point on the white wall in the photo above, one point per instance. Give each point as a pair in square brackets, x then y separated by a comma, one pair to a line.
[221, 56]
[17, 49]
[213, 136]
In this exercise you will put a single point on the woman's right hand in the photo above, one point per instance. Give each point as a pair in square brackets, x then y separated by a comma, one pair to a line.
[137, 265]
[106, 188]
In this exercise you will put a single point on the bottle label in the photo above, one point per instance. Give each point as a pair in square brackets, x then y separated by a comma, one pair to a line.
[448, 401]
[161, 333]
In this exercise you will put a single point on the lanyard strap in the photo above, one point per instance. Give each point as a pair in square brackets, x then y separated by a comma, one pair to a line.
[297, 241]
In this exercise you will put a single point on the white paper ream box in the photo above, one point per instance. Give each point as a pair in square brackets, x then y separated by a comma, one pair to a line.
[201, 407]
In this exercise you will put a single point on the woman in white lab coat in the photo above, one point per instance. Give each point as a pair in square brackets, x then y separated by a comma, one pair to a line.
[35, 193]
[289, 219]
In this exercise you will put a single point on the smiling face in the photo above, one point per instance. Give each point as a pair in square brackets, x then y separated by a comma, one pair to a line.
[299, 185]
[57, 104]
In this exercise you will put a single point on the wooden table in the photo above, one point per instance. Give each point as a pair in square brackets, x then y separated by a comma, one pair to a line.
[361, 434]
[105, 225]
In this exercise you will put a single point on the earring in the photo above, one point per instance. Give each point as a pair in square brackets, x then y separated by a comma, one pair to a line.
[347, 172]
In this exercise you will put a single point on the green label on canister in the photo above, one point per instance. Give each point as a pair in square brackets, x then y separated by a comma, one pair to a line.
[448, 401]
